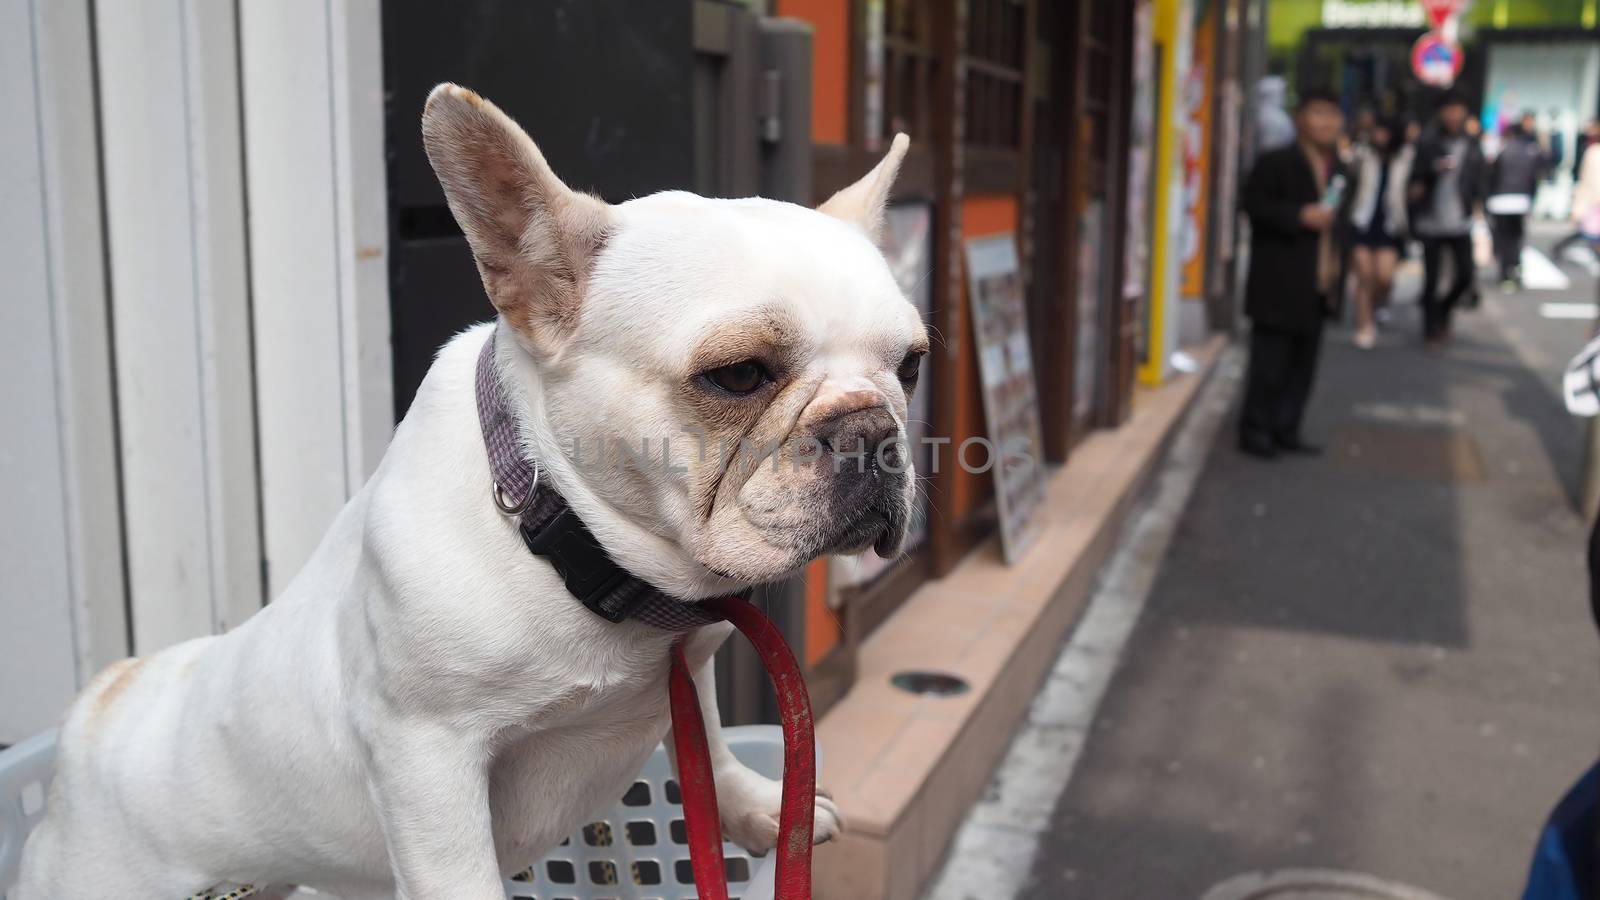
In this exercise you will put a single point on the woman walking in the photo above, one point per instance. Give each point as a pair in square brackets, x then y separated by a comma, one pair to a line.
[1378, 219]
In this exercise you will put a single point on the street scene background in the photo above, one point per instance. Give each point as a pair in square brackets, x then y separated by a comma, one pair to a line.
[1287, 596]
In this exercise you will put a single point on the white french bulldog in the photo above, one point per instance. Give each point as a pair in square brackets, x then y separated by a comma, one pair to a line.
[426, 709]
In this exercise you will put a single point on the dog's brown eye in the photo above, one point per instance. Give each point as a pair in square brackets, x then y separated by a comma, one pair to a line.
[910, 367]
[740, 378]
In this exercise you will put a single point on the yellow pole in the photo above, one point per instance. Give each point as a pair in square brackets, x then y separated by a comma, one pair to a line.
[1168, 32]
[1589, 10]
[1152, 369]
[1502, 13]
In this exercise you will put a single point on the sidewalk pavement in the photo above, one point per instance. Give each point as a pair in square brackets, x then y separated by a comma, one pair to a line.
[1379, 660]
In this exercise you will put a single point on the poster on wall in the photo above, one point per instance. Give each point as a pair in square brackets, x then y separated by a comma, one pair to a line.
[1141, 143]
[1197, 100]
[1086, 360]
[1015, 449]
[907, 244]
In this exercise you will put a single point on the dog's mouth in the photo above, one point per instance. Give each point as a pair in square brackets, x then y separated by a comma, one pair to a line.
[882, 528]
[777, 541]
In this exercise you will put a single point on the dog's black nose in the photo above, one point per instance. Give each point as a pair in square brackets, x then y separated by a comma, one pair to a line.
[870, 467]
[864, 440]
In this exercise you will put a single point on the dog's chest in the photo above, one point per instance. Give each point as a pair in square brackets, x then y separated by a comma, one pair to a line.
[602, 699]
[549, 781]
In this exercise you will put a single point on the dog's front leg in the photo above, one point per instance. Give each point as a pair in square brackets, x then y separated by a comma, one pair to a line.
[430, 782]
[748, 801]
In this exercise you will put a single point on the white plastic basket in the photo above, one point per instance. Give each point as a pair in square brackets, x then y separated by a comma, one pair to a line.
[636, 852]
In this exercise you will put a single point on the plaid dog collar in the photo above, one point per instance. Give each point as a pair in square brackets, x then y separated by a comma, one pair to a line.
[555, 533]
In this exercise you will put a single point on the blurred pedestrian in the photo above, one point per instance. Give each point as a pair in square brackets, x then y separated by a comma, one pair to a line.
[1366, 120]
[1488, 140]
[1294, 197]
[1551, 199]
[1446, 187]
[1378, 220]
[1586, 137]
[1549, 159]
[1586, 195]
[1513, 179]
[1551, 142]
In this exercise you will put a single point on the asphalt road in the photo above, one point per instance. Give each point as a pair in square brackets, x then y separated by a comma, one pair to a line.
[1379, 660]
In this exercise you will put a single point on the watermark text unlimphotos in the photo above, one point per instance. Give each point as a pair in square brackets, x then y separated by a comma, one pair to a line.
[975, 455]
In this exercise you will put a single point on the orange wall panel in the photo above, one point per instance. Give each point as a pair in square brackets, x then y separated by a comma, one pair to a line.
[982, 215]
[822, 624]
[985, 214]
[830, 65]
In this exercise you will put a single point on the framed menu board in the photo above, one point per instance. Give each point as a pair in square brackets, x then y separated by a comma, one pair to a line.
[1014, 449]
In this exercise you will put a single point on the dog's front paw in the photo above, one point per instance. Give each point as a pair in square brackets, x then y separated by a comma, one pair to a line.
[749, 805]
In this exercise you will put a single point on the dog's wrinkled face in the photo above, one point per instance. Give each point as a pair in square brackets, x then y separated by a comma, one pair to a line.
[730, 374]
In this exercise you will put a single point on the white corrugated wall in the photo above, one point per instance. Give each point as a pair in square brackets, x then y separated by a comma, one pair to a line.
[194, 346]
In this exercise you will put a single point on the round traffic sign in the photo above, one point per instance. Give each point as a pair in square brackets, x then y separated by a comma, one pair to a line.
[1435, 60]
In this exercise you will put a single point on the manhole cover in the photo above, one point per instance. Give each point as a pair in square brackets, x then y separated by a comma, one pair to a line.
[938, 684]
[1313, 884]
[1430, 454]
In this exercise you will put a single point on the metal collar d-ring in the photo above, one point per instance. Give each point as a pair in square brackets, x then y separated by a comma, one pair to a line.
[515, 510]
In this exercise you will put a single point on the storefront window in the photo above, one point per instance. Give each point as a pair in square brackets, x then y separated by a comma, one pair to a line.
[909, 68]
[995, 43]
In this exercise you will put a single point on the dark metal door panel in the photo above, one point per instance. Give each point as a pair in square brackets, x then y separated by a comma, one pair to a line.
[603, 86]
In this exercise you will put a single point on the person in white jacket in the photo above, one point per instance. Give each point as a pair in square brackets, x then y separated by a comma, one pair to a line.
[1378, 219]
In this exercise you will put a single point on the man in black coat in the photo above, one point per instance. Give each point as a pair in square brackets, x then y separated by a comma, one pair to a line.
[1294, 197]
[1448, 179]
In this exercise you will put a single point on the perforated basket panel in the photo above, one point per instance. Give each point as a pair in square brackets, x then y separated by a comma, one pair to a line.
[636, 852]
[24, 782]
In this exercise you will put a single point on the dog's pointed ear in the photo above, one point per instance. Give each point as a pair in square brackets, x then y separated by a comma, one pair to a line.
[861, 204]
[534, 238]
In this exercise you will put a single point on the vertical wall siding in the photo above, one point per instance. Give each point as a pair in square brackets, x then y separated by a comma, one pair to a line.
[175, 222]
[61, 590]
[133, 375]
[36, 578]
[313, 115]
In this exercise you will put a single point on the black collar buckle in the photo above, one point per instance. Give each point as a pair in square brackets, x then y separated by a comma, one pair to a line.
[588, 570]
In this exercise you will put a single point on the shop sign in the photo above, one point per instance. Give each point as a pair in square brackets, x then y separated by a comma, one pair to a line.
[1373, 14]
[1436, 60]
[1015, 449]
[1141, 154]
[1197, 101]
